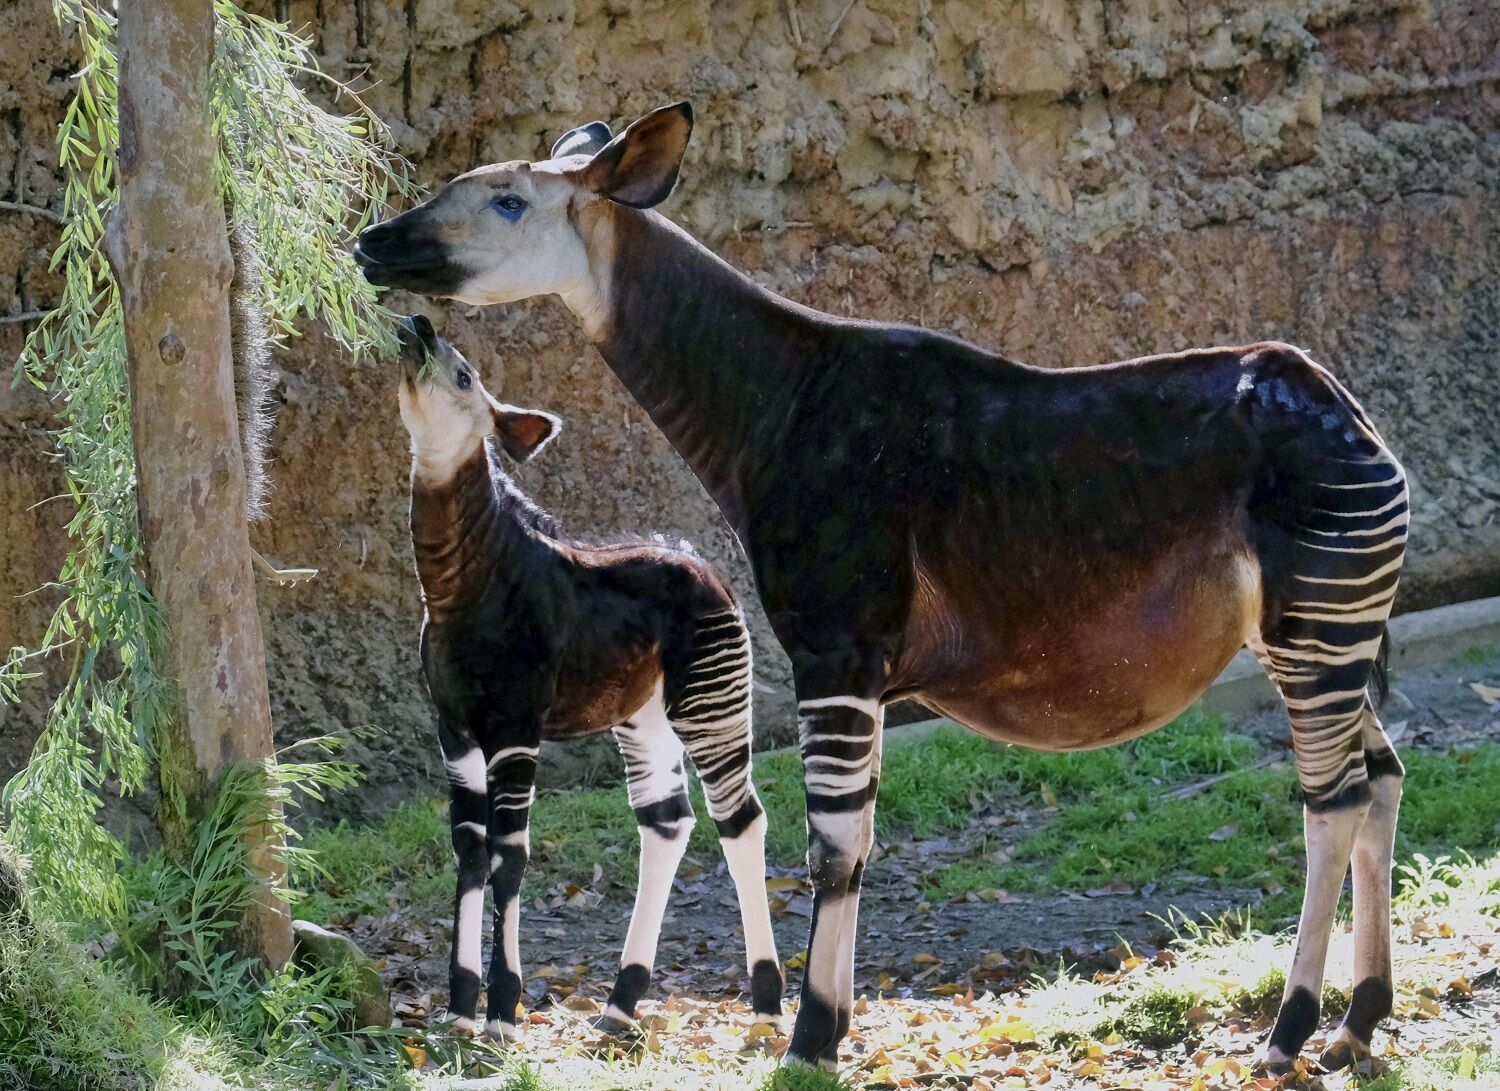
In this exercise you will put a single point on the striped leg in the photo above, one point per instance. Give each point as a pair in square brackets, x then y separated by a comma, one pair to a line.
[512, 790]
[467, 814]
[1320, 649]
[659, 797]
[711, 715]
[1370, 1001]
[839, 755]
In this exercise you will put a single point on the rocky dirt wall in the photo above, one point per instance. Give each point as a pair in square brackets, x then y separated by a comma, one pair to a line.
[1070, 181]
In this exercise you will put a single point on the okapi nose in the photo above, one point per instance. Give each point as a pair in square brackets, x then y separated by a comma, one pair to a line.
[370, 240]
[417, 333]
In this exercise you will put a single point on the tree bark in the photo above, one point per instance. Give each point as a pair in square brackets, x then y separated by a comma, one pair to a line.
[168, 244]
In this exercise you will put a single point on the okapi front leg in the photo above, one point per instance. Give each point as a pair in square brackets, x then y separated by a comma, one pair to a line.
[468, 821]
[512, 790]
[658, 791]
[839, 747]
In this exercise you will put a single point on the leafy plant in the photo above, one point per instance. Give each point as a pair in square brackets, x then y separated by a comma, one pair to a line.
[296, 178]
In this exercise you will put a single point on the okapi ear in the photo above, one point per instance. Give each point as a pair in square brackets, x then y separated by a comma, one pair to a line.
[524, 432]
[584, 140]
[639, 167]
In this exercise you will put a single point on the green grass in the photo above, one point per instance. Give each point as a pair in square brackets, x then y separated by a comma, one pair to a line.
[69, 1022]
[1136, 836]
[1477, 656]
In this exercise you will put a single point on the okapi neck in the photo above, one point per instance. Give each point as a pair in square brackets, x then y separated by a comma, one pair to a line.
[713, 358]
[467, 529]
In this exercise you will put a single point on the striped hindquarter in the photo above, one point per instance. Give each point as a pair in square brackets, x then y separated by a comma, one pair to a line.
[1321, 648]
[702, 710]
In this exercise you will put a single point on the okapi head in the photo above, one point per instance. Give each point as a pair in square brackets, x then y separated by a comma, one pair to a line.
[450, 414]
[510, 231]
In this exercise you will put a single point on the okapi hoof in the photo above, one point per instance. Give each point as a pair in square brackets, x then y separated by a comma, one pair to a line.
[1276, 1067]
[507, 1034]
[460, 1026]
[616, 1024]
[1348, 1053]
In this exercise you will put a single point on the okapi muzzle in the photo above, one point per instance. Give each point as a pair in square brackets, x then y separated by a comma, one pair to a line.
[406, 252]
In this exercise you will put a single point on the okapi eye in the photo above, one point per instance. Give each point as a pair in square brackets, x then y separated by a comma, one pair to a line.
[463, 380]
[509, 205]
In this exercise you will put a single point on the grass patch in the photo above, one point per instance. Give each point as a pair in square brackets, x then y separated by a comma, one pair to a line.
[67, 1021]
[1244, 831]
[1476, 657]
[1215, 966]
[1156, 1018]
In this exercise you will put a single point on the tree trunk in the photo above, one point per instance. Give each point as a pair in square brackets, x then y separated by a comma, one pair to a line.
[169, 247]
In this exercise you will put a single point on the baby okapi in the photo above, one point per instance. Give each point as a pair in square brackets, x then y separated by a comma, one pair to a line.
[1059, 559]
[530, 636]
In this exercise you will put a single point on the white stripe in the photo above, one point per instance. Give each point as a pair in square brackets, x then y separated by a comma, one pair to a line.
[1364, 484]
[1387, 506]
[467, 771]
[1383, 595]
[470, 910]
[1384, 570]
[1379, 613]
[1398, 521]
[510, 752]
[868, 705]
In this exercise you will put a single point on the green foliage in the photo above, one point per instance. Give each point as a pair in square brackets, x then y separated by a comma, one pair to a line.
[176, 938]
[105, 625]
[1450, 801]
[67, 1021]
[796, 1077]
[356, 866]
[1477, 656]
[1157, 1017]
[299, 179]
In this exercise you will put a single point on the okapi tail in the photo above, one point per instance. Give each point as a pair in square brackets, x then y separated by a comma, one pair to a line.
[253, 373]
[1380, 675]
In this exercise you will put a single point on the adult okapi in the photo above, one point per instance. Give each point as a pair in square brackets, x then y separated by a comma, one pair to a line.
[1060, 559]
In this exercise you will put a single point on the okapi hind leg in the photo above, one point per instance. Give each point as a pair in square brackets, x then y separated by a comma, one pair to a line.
[1329, 572]
[664, 814]
[711, 715]
[1373, 992]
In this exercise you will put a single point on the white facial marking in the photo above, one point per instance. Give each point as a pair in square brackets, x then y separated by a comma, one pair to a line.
[539, 252]
[447, 412]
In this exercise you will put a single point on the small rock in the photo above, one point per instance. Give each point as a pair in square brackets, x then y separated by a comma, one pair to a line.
[319, 947]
